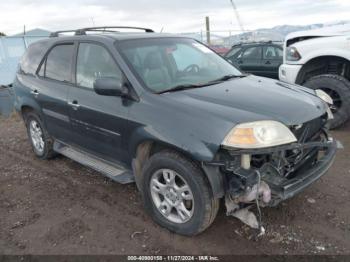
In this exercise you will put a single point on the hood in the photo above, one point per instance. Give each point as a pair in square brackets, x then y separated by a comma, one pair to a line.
[336, 30]
[250, 99]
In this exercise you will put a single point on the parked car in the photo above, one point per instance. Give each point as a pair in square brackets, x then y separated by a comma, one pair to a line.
[320, 59]
[170, 114]
[261, 59]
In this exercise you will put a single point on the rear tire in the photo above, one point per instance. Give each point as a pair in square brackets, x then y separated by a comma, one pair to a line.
[202, 207]
[42, 143]
[338, 88]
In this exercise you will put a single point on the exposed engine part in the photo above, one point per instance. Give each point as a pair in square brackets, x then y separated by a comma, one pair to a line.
[245, 161]
[251, 194]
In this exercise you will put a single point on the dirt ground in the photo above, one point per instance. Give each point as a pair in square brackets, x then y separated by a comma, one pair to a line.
[61, 207]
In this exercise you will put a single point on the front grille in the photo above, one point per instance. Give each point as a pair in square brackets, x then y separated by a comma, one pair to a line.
[309, 130]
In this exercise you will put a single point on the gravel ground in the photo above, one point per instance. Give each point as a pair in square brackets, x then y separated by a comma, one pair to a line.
[61, 207]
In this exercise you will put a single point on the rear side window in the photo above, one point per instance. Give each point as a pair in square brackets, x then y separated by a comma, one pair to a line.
[272, 52]
[59, 63]
[32, 58]
[94, 62]
[252, 53]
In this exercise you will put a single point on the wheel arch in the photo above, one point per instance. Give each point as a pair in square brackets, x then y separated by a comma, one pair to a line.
[148, 147]
[327, 64]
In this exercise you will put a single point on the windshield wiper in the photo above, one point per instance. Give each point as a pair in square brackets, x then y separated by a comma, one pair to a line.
[181, 87]
[190, 86]
[226, 78]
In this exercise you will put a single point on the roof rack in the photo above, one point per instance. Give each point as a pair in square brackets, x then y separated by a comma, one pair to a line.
[99, 29]
[57, 33]
[103, 29]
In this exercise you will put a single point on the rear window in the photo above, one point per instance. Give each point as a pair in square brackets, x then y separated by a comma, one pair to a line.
[32, 57]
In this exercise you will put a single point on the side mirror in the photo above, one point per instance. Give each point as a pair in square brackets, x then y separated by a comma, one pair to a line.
[110, 86]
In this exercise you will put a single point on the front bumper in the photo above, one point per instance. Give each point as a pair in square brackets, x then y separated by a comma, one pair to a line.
[289, 73]
[306, 177]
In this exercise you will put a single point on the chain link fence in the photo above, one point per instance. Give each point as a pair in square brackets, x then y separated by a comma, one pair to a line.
[232, 37]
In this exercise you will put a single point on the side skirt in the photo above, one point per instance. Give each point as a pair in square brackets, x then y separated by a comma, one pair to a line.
[111, 170]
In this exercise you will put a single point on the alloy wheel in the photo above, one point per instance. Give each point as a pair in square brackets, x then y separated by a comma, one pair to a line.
[172, 196]
[36, 135]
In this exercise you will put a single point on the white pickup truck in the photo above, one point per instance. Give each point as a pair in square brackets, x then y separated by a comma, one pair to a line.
[320, 59]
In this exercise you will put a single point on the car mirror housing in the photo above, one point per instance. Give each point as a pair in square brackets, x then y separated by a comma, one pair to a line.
[110, 86]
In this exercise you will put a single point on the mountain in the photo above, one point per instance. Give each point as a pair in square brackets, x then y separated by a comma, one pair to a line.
[35, 32]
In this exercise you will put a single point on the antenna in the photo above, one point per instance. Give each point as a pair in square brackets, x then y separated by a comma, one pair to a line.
[237, 16]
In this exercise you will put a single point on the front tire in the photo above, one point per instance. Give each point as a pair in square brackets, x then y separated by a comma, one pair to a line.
[42, 143]
[338, 88]
[177, 194]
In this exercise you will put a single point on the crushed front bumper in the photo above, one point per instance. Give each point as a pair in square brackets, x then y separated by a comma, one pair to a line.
[316, 160]
[305, 177]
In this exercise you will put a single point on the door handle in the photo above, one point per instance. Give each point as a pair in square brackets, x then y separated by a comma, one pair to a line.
[268, 63]
[74, 104]
[35, 92]
[240, 62]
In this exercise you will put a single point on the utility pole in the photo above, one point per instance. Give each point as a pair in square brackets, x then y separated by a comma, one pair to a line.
[207, 27]
[24, 30]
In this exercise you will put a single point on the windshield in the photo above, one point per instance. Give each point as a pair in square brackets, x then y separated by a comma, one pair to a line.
[164, 64]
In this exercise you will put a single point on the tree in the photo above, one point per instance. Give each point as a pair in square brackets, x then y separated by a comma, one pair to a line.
[2, 34]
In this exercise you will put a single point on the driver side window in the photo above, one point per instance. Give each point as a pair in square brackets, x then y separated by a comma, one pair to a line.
[94, 62]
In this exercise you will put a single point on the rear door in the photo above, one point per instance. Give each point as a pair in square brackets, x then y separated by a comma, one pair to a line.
[250, 60]
[51, 89]
[98, 122]
[272, 59]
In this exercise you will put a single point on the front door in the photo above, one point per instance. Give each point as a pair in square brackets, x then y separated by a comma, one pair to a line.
[98, 122]
[250, 60]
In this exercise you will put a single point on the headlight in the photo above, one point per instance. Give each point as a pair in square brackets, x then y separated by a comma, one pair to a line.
[293, 54]
[324, 96]
[327, 99]
[259, 134]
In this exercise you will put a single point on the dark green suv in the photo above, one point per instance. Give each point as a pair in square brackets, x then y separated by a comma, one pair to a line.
[261, 59]
[170, 114]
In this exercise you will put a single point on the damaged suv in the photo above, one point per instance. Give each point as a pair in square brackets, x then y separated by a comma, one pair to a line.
[168, 113]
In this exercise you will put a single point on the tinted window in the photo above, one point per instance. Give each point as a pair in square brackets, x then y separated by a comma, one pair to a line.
[59, 63]
[252, 53]
[31, 59]
[272, 52]
[94, 62]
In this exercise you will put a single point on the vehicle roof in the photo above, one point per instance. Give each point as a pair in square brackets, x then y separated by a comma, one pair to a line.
[258, 43]
[113, 36]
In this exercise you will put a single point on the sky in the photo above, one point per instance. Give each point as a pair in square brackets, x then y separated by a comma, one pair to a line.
[175, 16]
